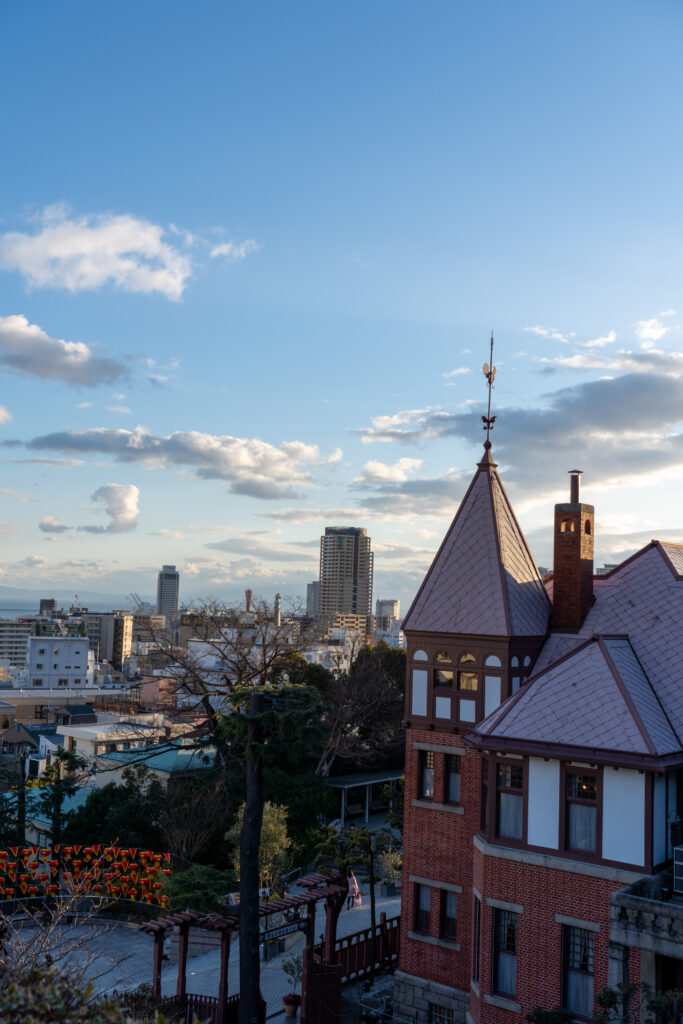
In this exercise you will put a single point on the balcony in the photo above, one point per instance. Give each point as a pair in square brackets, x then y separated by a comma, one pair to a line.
[647, 915]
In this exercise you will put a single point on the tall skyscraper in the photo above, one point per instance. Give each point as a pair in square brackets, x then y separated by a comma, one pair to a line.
[168, 583]
[346, 564]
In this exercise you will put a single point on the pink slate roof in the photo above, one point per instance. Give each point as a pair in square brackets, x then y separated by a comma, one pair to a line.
[598, 697]
[483, 579]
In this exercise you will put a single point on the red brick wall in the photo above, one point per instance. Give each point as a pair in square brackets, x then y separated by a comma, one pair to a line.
[543, 893]
[438, 845]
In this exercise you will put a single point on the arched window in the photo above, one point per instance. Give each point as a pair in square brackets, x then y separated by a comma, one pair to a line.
[587, 527]
[527, 661]
[443, 656]
[420, 656]
[493, 661]
[567, 526]
[515, 662]
[467, 659]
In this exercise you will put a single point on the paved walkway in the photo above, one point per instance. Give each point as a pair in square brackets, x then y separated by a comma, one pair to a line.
[120, 957]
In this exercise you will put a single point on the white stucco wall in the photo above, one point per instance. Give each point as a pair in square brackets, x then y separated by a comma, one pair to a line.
[623, 815]
[659, 825]
[544, 796]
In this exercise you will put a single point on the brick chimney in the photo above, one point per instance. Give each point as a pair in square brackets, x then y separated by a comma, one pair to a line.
[573, 568]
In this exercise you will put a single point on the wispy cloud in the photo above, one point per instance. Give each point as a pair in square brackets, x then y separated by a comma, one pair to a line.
[460, 371]
[551, 333]
[17, 494]
[26, 349]
[51, 525]
[600, 342]
[88, 252]
[649, 332]
[234, 252]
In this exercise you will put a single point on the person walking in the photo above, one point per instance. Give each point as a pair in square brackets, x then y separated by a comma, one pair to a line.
[353, 892]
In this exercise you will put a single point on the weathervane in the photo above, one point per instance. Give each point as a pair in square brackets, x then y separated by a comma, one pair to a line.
[489, 372]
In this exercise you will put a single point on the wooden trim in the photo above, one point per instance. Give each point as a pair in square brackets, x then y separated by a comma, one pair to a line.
[613, 871]
[560, 752]
[649, 783]
[594, 856]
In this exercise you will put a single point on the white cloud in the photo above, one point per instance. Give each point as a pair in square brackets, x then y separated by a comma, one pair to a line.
[235, 252]
[84, 405]
[336, 456]
[605, 339]
[651, 360]
[460, 371]
[406, 426]
[191, 569]
[84, 253]
[379, 473]
[5, 414]
[251, 466]
[551, 333]
[51, 525]
[121, 504]
[26, 349]
[16, 494]
[651, 331]
[123, 410]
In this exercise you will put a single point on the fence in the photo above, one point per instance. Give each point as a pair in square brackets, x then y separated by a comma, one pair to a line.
[354, 952]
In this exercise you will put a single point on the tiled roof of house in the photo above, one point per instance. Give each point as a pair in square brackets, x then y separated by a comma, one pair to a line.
[597, 697]
[642, 598]
[483, 579]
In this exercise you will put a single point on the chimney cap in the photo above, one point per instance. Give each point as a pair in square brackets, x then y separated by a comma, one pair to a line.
[575, 472]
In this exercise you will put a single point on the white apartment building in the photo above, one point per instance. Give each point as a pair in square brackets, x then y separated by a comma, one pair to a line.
[53, 662]
[13, 637]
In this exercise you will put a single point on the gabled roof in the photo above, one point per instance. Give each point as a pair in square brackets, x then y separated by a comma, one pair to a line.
[643, 598]
[483, 580]
[597, 698]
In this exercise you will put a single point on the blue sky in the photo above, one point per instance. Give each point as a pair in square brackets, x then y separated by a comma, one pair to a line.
[251, 254]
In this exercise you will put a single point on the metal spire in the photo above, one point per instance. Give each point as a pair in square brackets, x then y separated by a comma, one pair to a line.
[489, 372]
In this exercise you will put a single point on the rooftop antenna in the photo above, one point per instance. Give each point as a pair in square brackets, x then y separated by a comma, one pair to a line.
[489, 372]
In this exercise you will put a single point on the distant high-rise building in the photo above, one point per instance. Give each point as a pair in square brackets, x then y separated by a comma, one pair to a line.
[168, 583]
[346, 564]
[48, 606]
[312, 591]
[387, 609]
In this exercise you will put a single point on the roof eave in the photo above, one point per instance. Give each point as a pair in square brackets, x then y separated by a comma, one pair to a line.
[564, 752]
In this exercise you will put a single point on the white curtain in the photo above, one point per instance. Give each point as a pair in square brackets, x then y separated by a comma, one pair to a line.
[580, 993]
[510, 817]
[582, 822]
[506, 973]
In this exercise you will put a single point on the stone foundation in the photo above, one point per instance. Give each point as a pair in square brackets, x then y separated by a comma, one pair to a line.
[412, 997]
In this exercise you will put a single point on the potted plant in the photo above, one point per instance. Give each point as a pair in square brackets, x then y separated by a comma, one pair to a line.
[389, 870]
[292, 968]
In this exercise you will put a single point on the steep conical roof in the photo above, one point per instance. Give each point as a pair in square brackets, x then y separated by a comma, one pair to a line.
[483, 579]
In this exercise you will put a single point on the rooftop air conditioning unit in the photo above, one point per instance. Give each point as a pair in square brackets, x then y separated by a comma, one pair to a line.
[678, 870]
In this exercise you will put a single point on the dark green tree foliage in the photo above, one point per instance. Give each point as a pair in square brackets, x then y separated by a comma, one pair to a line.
[59, 781]
[558, 1016]
[48, 997]
[127, 813]
[199, 888]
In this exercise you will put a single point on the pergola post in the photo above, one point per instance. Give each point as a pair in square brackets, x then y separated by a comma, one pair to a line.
[343, 806]
[183, 943]
[307, 959]
[159, 937]
[368, 787]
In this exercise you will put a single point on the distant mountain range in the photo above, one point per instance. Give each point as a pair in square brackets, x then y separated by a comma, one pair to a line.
[14, 596]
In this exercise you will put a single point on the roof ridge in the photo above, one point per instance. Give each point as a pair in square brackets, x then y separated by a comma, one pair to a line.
[660, 547]
[623, 689]
[501, 569]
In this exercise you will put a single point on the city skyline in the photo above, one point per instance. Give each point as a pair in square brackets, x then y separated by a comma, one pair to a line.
[246, 287]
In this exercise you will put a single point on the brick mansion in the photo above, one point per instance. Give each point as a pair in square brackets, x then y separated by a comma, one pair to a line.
[544, 770]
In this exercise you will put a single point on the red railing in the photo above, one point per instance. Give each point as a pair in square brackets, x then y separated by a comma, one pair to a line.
[354, 952]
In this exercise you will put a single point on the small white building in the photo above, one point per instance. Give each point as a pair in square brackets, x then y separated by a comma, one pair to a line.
[57, 662]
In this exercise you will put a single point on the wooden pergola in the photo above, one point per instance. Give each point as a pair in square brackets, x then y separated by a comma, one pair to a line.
[331, 888]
